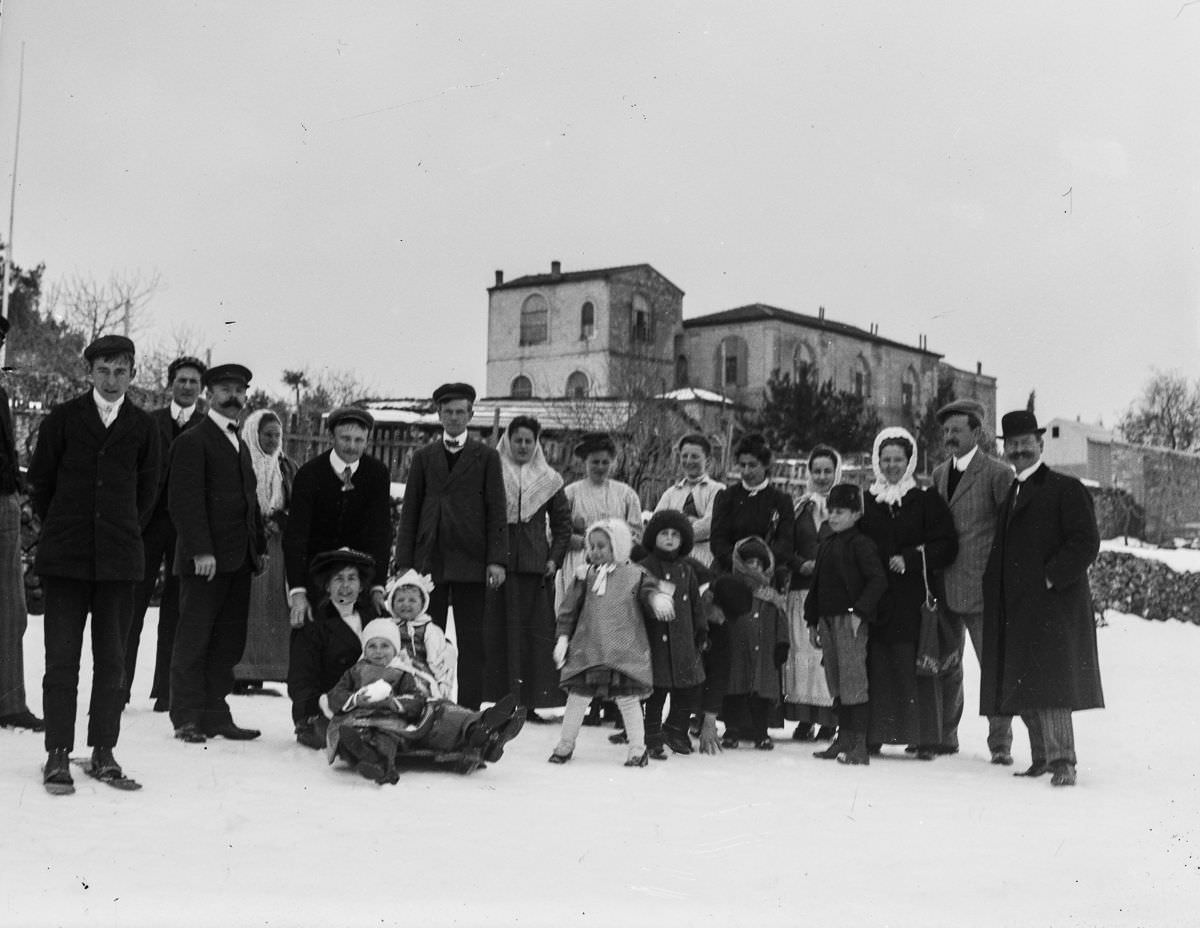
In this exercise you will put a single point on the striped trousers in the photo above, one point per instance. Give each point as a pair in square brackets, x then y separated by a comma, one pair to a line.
[1051, 735]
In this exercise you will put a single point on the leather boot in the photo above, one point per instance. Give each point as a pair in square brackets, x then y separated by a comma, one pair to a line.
[58, 767]
[856, 752]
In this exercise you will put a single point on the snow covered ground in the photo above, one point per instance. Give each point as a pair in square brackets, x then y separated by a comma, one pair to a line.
[266, 834]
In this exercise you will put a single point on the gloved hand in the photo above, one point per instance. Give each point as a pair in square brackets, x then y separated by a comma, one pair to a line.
[373, 692]
[560, 651]
[710, 742]
[781, 653]
[663, 606]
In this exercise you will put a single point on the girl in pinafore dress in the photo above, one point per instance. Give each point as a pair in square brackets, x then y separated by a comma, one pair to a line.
[602, 646]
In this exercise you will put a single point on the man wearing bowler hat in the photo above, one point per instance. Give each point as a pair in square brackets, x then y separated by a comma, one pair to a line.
[453, 525]
[1039, 633]
[92, 481]
[220, 543]
[974, 486]
[340, 499]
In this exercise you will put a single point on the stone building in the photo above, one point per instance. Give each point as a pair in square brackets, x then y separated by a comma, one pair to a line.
[606, 332]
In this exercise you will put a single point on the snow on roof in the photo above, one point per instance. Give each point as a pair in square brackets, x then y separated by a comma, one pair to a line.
[695, 394]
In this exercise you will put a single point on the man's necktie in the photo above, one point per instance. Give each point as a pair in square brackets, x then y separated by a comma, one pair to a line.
[347, 483]
[182, 419]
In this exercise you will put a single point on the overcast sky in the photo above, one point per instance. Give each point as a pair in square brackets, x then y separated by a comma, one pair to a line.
[334, 184]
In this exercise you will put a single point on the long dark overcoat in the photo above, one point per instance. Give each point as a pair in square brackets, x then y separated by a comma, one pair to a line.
[674, 655]
[94, 489]
[453, 522]
[1039, 644]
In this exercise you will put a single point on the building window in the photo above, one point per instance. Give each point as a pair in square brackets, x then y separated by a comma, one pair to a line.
[577, 385]
[640, 320]
[906, 397]
[730, 377]
[1054, 431]
[860, 379]
[587, 320]
[681, 371]
[522, 388]
[804, 363]
[910, 391]
[535, 316]
[730, 366]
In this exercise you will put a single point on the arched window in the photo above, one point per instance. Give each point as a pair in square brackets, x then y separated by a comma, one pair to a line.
[535, 320]
[587, 320]
[681, 371]
[804, 362]
[641, 328]
[730, 363]
[910, 391]
[522, 388]
[860, 378]
[577, 385]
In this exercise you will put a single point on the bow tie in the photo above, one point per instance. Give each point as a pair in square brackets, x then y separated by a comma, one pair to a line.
[454, 444]
[232, 427]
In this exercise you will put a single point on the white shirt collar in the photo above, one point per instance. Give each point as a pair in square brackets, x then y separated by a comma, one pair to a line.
[104, 405]
[1028, 472]
[684, 483]
[461, 440]
[339, 466]
[758, 489]
[223, 424]
[962, 463]
[185, 411]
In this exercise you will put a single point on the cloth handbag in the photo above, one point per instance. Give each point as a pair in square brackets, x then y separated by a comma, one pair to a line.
[938, 642]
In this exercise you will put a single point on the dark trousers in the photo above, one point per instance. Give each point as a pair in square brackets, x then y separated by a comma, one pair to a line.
[209, 641]
[159, 542]
[685, 700]
[999, 726]
[469, 601]
[68, 603]
[746, 716]
[1051, 735]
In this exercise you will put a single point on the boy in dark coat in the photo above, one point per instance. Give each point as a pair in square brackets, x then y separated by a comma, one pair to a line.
[92, 482]
[848, 581]
[677, 628]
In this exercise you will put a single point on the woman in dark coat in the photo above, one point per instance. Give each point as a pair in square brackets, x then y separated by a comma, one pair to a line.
[519, 643]
[901, 518]
[328, 646]
[753, 507]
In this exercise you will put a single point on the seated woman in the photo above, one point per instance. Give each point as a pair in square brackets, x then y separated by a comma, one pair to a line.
[384, 706]
[327, 647]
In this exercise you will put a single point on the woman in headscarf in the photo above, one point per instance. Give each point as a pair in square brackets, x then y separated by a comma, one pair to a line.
[269, 629]
[806, 694]
[325, 648]
[520, 635]
[903, 520]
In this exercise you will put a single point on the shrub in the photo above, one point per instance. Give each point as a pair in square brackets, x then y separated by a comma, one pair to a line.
[1145, 587]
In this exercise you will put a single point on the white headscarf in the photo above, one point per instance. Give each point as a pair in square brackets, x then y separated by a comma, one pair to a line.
[527, 487]
[820, 510]
[890, 494]
[620, 538]
[266, 466]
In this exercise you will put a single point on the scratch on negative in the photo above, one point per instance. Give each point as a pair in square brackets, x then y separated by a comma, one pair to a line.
[414, 102]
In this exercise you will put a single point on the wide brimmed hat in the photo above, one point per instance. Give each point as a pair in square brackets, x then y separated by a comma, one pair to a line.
[220, 373]
[350, 414]
[961, 408]
[108, 345]
[669, 518]
[454, 391]
[327, 562]
[1019, 422]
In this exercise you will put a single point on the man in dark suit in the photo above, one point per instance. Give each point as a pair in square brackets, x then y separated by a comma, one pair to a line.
[453, 526]
[220, 543]
[1039, 632]
[92, 481]
[14, 713]
[974, 486]
[340, 499]
[183, 379]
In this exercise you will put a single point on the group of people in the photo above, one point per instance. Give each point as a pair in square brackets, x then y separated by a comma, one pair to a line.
[732, 603]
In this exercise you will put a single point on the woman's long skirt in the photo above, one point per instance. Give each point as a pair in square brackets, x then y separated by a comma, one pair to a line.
[806, 697]
[519, 643]
[268, 631]
[905, 708]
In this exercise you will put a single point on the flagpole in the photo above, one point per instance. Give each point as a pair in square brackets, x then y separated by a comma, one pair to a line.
[12, 203]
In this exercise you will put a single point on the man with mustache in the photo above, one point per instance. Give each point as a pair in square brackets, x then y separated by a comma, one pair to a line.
[974, 486]
[1039, 633]
[211, 495]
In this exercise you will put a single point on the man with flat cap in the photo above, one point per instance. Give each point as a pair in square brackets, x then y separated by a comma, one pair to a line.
[974, 486]
[453, 526]
[1039, 632]
[14, 616]
[212, 498]
[184, 381]
[340, 499]
[92, 481]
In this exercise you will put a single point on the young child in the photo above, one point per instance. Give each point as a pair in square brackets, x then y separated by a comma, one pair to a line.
[407, 598]
[602, 648]
[758, 644]
[848, 581]
[678, 630]
[384, 702]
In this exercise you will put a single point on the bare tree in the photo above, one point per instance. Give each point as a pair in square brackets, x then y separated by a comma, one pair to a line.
[1167, 414]
[94, 308]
